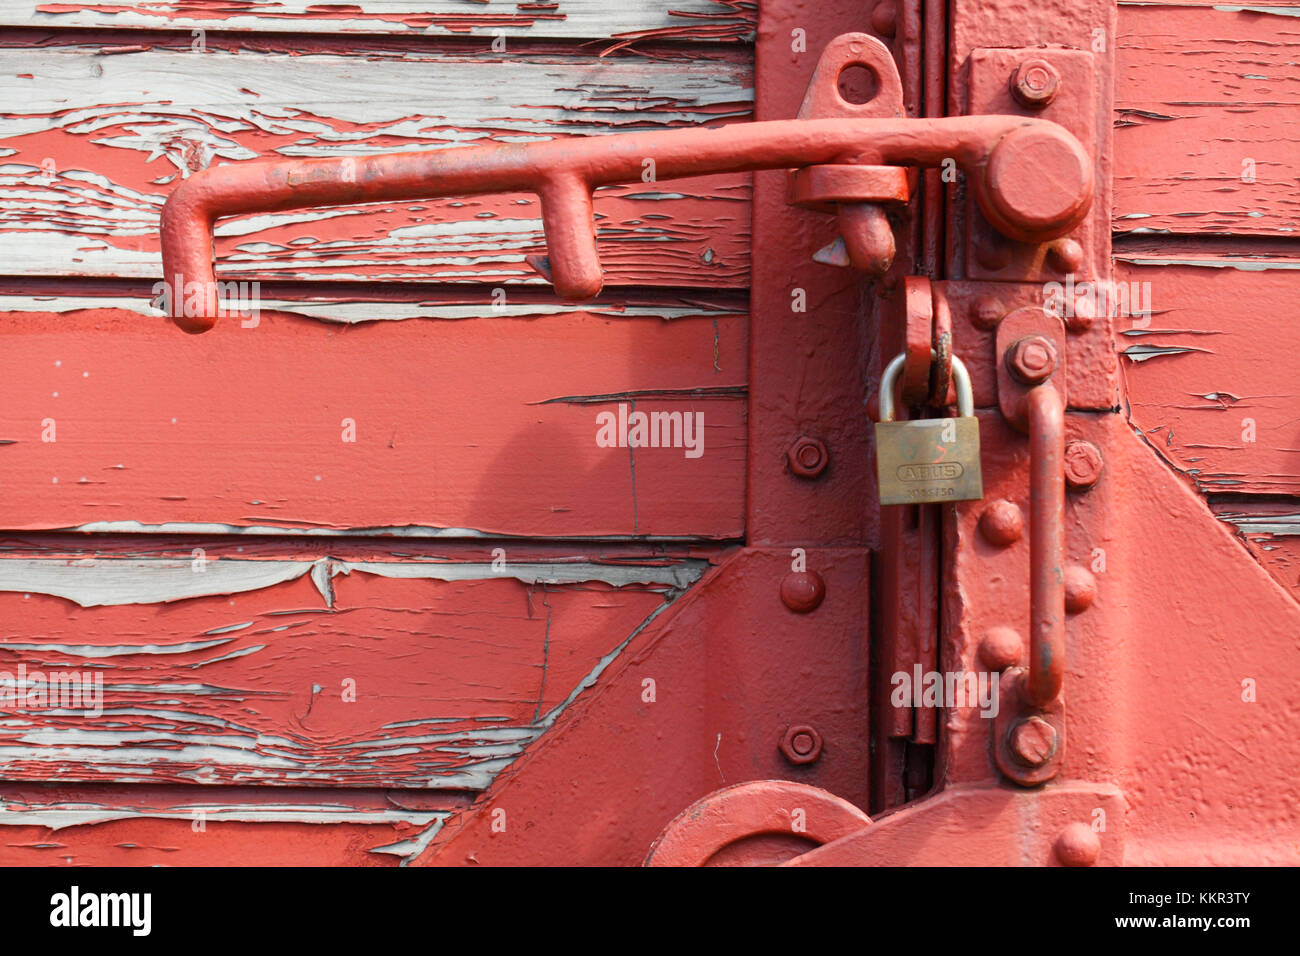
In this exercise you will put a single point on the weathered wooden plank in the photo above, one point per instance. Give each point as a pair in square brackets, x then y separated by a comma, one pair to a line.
[1207, 380]
[93, 143]
[106, 825]
[1271, 530]
[485, 425]
[1207, 103]
[1280, 8]
[429, 674]
[568, 19]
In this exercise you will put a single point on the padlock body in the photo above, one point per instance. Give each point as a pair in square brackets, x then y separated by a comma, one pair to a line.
[929, 460]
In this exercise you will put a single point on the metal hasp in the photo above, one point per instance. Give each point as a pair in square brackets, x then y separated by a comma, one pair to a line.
[1032, 178]
[928, 460]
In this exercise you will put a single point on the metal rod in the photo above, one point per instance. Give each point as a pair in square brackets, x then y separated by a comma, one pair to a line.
[1002, 156]
[1046, 545]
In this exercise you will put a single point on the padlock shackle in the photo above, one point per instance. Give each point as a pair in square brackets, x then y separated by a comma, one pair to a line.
[960, 380]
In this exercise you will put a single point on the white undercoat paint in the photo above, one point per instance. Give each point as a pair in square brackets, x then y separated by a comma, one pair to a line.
[100, 582]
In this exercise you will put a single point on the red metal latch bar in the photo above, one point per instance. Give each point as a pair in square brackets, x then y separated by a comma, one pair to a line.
[1031, 177]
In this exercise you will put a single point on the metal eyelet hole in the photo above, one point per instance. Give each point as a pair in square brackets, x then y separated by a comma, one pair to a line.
[858, 83]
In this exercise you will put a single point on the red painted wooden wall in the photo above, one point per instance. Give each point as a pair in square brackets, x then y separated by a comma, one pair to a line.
[321, 563]
[339, 570]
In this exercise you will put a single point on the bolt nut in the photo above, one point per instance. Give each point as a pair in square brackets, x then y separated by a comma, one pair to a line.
[1002, 523]
[1032, 742]
[1078, 845]
[802, 744]
[1031, 360]
[808, 457]
[803, 591]
[1035, 83]
[1082, 464]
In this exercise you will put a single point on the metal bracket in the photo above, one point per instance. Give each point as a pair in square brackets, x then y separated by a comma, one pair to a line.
[1049, 84]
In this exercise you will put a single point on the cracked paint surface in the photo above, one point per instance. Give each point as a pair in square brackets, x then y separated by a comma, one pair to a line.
[433, 674]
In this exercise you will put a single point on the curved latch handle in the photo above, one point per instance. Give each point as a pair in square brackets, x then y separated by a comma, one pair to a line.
[1046, 412]
[1031, 177]
[1029, 729]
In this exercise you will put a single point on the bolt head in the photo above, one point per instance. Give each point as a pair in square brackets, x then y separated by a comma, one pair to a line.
[808, 457]
[803, 591]
[1033, 741]
[1082, 464]
[802, 744]
[1035, 83]
[1031, 360]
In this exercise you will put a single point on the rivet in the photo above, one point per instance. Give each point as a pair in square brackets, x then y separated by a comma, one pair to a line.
[884, 18]
[1066, 254]
[803, 591]
[993, 253]
[1078, 845]
[986, 312]
[1002, 647]
[1002, 523]
[1080, 589]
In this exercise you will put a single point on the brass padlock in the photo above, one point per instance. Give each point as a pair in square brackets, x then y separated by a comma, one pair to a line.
[931, 459]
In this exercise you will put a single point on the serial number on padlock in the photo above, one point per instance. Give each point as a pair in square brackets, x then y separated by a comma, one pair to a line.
[930, 494]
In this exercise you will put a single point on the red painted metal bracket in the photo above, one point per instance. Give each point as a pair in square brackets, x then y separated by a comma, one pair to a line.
[1031, 178]
[1072, 824]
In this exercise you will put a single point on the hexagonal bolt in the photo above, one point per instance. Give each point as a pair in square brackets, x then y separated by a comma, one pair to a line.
[808, 457]
[1035, 83]
[1032, 741]
[802, 744]
[1031, 360]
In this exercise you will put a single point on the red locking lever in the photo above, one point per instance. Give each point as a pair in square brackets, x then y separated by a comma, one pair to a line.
[1032, 179]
